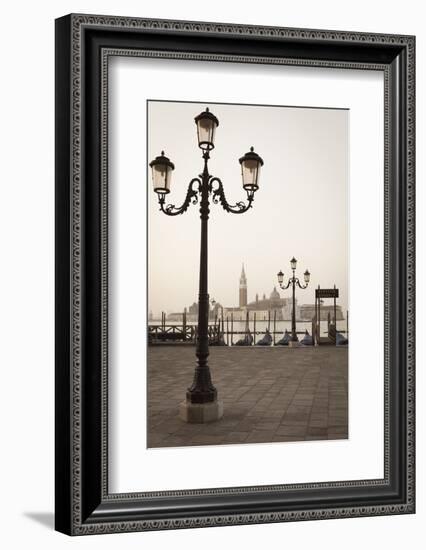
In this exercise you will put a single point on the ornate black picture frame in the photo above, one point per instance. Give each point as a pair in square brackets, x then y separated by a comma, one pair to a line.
[83, 46]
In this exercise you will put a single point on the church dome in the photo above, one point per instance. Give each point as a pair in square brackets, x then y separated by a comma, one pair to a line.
[274, 294]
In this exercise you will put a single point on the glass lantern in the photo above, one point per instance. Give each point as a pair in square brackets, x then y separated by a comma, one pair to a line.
[280, 277]
[162, 170]
[206, 129]
[293, 263]
[250, 170]
[307, 276]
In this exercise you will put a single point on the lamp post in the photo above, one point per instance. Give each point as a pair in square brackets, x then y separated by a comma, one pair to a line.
[293, 281]
[201, 403]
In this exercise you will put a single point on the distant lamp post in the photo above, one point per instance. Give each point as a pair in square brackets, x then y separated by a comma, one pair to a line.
[201, 404]
[293, 281]
[212, 311]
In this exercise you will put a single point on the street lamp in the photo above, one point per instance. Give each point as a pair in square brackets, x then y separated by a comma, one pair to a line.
[294, 281]
[201, 403]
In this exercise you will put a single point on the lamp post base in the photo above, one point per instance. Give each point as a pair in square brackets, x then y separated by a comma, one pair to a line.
[200, 413]
[294, 344]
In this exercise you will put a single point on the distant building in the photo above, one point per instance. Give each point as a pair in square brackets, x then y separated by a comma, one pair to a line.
[262, 307]
[307, 312]
[274, 305]
[192, 313]
[175, 317]
[243, 288]
[193, 310]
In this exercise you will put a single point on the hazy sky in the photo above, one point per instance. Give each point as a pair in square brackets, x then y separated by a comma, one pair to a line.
[300, 209]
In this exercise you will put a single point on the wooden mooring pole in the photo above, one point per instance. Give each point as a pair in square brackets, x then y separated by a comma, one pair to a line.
[275, 323]
[227, 331]
[313, 329]
[184, 325]
[232, 328]
[335, 308]
[347, 325]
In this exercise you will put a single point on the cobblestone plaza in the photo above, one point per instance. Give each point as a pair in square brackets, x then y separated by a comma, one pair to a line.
[270, 394]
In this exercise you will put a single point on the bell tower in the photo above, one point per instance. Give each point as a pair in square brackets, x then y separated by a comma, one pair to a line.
[243, 288]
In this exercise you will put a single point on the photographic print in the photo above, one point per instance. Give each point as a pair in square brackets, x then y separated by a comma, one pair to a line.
[216, 215]
[248, 291]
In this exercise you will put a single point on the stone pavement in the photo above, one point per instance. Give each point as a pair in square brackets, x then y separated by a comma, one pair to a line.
[269, 394]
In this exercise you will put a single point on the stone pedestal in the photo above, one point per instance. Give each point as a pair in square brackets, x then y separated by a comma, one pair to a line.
[292, 344]
[200, 413]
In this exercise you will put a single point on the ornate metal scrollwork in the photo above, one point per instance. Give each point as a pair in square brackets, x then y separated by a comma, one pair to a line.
[299, 284]
[218, 196]
[294, 280]
[191, 197]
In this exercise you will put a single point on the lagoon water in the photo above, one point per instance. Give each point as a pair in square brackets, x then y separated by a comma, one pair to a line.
[234, 331]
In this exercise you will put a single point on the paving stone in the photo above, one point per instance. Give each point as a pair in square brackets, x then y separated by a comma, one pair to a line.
[260, 436]
[237, 437]
[288, 422]
[269, 395]
[312, 430]
[292, 430]
[285, 438]
[337, 436]
[206, 440]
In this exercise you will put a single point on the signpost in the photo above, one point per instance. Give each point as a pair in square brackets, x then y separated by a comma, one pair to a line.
[320, 294]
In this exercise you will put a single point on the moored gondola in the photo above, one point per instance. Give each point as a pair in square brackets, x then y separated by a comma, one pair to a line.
[266, 340]
[284, 340]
